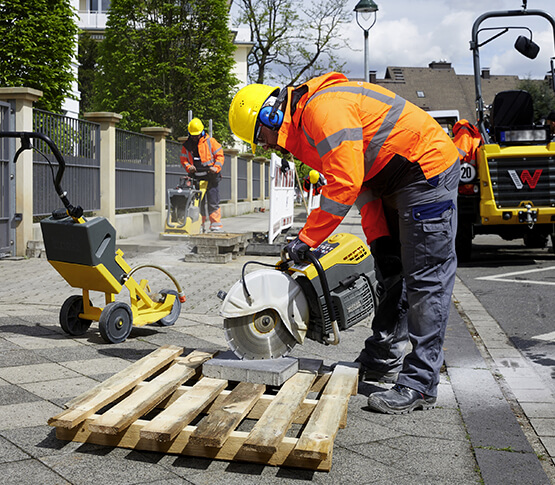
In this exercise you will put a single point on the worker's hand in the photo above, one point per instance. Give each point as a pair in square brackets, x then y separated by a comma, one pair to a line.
[297, 250]
[192, 169]
[213, 169]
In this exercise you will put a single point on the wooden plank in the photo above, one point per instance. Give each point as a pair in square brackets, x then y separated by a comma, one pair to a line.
[108, 391]
[215, 428]
[316, 441]
[183, 410]
[301, 415]
[270, 429]
[142, 401]
[231, 450]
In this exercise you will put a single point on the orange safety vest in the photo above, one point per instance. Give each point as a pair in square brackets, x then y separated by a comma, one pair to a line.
[349, 131]
[210, 152]
[467, 139]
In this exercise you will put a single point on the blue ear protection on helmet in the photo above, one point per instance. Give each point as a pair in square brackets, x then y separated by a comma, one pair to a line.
[272, 116]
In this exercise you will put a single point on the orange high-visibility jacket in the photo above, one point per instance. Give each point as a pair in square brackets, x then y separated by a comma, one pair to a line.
[349, 131]
[210, 152]
[467, 139]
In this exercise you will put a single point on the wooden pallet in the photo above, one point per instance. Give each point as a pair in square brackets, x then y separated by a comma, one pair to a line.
[162, 403]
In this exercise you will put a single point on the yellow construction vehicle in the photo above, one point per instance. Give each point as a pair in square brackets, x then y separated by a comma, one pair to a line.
[509, 190]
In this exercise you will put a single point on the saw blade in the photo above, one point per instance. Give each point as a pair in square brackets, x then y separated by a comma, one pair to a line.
[261, 335]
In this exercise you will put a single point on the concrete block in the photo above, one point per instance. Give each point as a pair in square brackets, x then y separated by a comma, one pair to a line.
[272, 372]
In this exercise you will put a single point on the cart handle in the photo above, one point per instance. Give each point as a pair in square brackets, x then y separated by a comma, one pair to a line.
[25, 137]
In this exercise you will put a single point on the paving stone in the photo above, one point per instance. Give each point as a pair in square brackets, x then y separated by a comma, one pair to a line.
[272, 372]
[35, 373]
[26, 414]
[29, 472]
[10, 452]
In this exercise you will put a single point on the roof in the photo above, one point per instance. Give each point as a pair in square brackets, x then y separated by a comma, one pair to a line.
[439, 87]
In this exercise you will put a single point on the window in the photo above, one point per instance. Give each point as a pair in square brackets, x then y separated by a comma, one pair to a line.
[420, 94]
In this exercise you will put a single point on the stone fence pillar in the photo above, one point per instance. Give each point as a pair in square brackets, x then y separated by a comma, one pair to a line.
[107, 122]
[21, 101]
[160, 134]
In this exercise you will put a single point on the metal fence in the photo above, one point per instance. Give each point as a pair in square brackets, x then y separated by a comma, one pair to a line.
[7, 183]
[174, 169]
[242, 190]
[79, 143]
[256, 174]
[225, 182]
[134, 170]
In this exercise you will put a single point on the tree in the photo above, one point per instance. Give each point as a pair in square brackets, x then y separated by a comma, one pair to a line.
[88, 65]
[37, 48]
[542, 96]
[293, 45]
[162, 58]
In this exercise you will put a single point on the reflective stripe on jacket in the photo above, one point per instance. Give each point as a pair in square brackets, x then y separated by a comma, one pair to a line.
[467, 139]
[348, 131]
[210, 152]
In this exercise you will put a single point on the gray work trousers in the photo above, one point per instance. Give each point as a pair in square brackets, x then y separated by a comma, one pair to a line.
[415, 268]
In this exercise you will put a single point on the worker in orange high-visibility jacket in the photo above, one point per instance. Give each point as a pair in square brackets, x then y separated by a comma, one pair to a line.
[467, 139]
[395, 162]
[203, 158]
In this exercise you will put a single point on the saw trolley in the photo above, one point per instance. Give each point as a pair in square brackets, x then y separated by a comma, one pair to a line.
[83, 252]
[269, 311]
[184, 205]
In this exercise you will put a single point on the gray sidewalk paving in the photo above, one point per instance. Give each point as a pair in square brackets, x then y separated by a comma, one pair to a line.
[472, 437]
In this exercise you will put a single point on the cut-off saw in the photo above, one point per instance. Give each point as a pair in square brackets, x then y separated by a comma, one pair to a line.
[269, 311]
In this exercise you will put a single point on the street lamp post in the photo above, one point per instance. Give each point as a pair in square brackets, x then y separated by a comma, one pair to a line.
[365, 8]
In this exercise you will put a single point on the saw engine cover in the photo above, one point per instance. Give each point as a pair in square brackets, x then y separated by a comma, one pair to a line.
[272, 310]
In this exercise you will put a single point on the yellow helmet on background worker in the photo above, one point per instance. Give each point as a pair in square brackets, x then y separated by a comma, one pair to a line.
[314, 176]
[195, 127]
[245, 108]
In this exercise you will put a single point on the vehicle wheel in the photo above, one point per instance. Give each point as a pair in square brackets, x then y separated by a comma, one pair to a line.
[116, 321]
[535, 240]
[171, 318]
[463, 242]
[70, 321]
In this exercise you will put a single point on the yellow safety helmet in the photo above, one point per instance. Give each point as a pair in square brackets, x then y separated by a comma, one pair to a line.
[314, 176]
[195, 127]
[244, 110]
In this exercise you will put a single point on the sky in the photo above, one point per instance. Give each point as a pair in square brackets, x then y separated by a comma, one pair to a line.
[413, 33]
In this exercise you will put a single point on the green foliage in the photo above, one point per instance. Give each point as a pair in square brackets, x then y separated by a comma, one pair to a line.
[162, 58]
[88, 64]
[38, 42]
[542, 96]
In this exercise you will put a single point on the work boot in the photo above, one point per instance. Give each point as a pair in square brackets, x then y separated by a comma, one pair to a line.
[216, 227]
[400, 400]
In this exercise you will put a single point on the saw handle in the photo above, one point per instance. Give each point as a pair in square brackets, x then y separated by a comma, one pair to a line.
[327, 296]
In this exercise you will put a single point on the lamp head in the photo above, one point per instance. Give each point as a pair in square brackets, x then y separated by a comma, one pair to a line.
[366, 6]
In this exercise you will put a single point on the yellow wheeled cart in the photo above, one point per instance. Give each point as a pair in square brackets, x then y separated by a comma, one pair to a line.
[83, 252]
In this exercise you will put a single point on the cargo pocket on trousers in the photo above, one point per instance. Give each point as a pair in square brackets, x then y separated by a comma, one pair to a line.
[435, 244]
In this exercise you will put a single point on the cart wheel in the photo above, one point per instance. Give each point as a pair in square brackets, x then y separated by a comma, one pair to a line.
[116, 321]
[171, 318]
[69, 316]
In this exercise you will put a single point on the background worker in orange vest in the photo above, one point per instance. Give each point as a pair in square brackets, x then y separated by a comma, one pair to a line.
[401, 169]
[467, 139]
[202, 157]
[550, 121]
